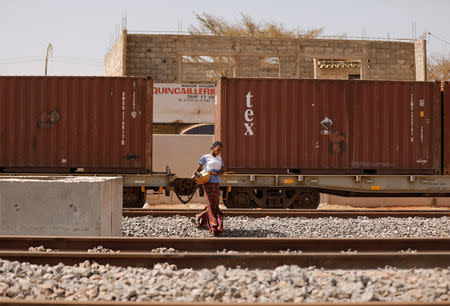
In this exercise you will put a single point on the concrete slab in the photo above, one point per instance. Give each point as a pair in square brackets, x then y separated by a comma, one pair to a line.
[181, 153]
[61, 206]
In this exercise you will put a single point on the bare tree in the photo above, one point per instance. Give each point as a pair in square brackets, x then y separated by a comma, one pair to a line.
[247, 26]
[438, 67]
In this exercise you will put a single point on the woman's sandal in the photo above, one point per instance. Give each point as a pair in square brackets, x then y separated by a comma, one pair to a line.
[196, 222]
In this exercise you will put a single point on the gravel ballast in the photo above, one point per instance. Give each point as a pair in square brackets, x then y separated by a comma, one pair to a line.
[331, 227]
[91, 281]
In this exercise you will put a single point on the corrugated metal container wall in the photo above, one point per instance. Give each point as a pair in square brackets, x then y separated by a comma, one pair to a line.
[59, 124]
[446, 132]
[329, 126]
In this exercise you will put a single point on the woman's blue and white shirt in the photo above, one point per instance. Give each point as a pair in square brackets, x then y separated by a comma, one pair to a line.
[211, 163]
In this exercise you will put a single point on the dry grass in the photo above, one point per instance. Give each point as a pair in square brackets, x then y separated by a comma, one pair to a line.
[247, 26]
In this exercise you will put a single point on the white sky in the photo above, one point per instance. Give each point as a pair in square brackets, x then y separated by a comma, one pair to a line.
[80, 31]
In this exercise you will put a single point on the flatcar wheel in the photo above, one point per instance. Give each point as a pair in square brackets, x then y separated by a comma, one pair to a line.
[133, 197]
[309, 199]
[239, 198]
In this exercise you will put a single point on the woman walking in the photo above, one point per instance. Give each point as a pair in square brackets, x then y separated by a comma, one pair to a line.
[211, 217]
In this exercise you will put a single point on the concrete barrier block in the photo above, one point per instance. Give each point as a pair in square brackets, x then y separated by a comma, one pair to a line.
[61, 206]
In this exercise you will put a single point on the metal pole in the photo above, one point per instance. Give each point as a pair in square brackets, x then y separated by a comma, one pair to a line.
[49, 52]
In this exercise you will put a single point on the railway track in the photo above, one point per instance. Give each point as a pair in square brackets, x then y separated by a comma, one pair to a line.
[243, 252]
[199, 253]
[79, 244]
[260, 213]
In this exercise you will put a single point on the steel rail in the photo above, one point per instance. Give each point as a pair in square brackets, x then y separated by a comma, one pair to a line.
[15, 302]
[260, 213]
[316, 245]
[248, 260]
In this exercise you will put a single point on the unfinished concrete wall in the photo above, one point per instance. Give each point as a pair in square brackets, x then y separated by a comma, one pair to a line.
[421, 60]
[339, 73]
[337, 69]
[162, 56]
[154, 55]
[61, 206]
[115, 61]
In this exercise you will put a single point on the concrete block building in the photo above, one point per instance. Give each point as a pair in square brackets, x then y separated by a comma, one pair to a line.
[174, 58]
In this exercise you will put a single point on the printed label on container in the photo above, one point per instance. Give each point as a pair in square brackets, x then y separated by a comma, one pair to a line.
[189, 103]
[122, 141]
[249, 116]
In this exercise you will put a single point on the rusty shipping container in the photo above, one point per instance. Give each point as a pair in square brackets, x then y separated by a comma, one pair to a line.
[446, 131]
[75, 124]
[329, 126]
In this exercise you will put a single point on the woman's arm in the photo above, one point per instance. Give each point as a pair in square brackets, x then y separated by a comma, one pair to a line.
[222, 170]
[200, 167]
[201, 164]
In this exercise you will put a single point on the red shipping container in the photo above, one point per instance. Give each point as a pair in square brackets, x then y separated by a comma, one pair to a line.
[329, 126]
[66, 124]
[446, 132]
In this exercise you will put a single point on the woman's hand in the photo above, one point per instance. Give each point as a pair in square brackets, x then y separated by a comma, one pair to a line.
[199, 168]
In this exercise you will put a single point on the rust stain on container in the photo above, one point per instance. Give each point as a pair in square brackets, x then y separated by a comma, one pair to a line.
[446, 131]
[329, 126]
[85, 124]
